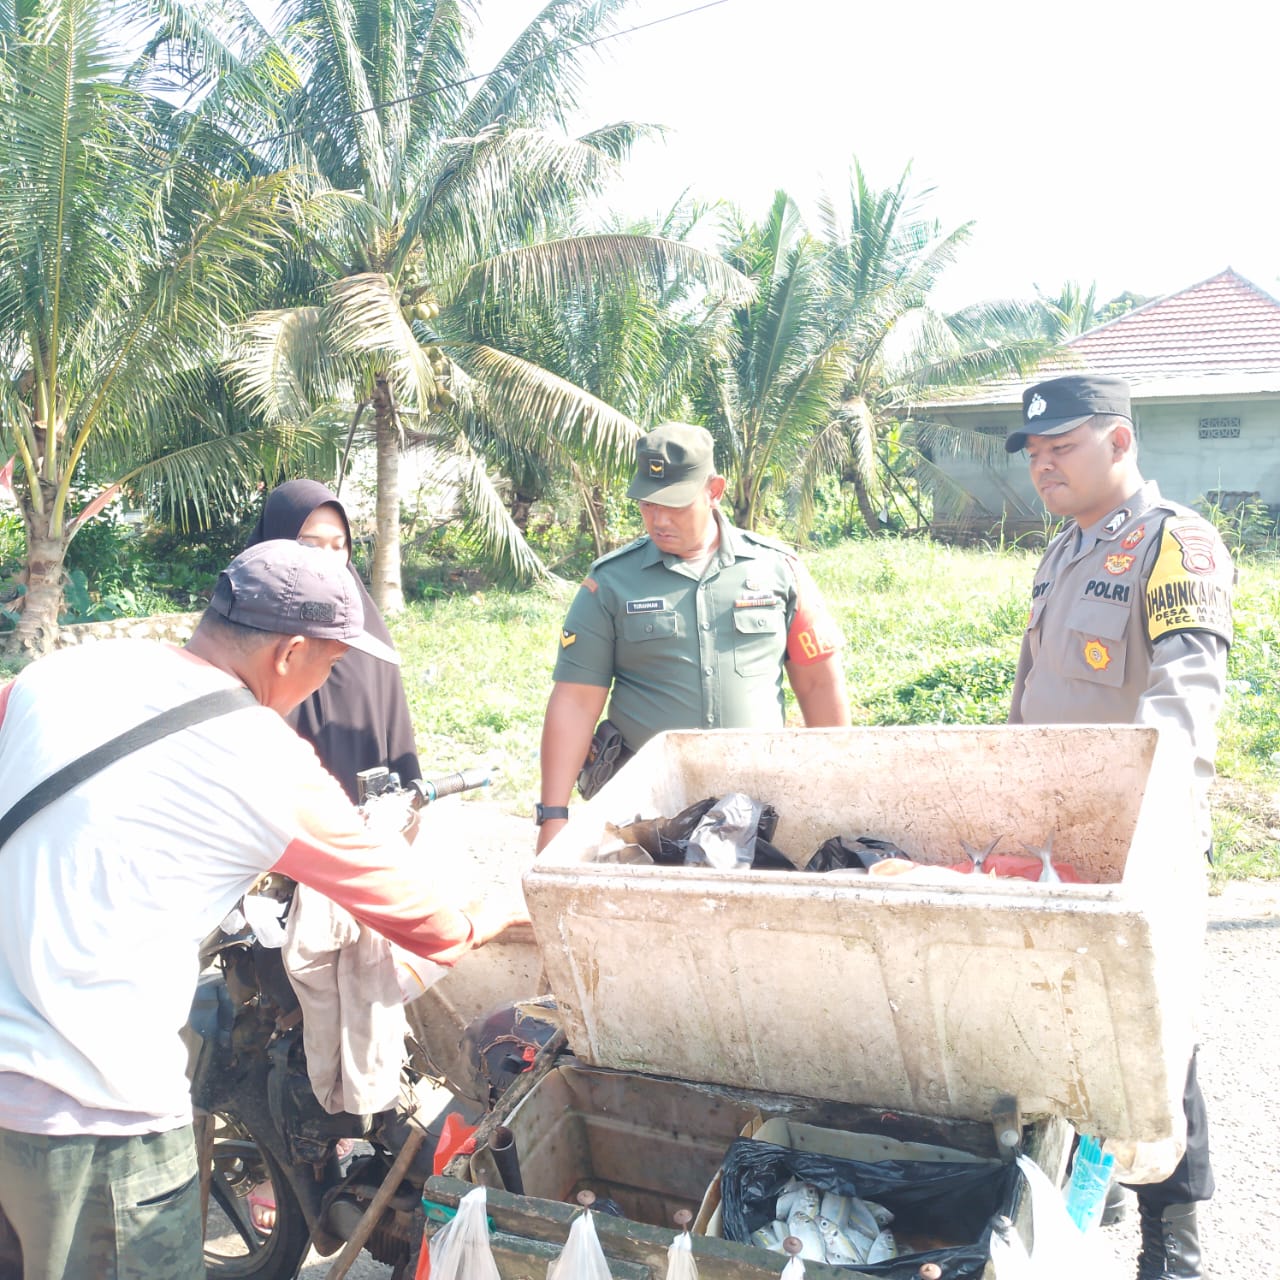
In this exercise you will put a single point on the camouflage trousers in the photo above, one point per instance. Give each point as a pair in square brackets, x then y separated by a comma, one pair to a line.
[94, 1208]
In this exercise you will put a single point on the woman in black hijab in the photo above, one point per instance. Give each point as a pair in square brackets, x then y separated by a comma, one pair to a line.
[359, 717]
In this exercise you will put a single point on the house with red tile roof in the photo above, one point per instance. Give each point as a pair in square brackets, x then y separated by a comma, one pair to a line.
[1203, 367]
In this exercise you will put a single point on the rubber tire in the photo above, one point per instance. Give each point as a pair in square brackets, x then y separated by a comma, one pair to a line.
[275, 1256]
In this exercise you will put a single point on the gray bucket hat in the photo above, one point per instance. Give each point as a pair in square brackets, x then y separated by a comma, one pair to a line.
[294, 590]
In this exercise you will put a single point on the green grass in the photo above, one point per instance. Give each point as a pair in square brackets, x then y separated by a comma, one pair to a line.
[931, 636]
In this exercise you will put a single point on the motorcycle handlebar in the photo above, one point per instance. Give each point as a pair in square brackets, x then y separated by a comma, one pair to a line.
[451, 784]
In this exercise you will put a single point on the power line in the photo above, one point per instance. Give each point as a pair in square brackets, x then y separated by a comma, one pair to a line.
[484, 75]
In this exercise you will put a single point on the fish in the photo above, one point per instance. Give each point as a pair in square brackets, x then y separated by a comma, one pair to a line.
[882, 1248]
[770, 1236]
[1048, 875]
[979, 856]
[882, 1215]
[805, 1229]
[787, 1197]
[807, 1202]
[835, 1208]
[861, 1219]
[840, 1248]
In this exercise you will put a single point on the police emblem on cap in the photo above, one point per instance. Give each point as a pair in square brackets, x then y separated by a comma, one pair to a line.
[1036, 407]
[657, 468]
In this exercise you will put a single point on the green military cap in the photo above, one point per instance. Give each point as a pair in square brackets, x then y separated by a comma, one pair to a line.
[673, 464]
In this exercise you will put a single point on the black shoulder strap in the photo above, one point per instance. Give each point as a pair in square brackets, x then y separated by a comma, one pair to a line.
[183, 716]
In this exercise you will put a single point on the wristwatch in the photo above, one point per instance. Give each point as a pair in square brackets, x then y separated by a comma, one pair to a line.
[546, 812]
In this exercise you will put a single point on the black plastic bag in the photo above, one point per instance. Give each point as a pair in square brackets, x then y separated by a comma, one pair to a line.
[673, 835]
[953, 1201]
[845, 853]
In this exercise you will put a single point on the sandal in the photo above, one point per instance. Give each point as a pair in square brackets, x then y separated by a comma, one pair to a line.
[262, 1208]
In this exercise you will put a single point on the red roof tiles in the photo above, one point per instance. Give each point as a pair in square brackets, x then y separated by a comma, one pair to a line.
[1224, 324]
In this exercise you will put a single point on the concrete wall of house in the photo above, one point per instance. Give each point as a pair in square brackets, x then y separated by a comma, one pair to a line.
[1190, 448]
[1195, 448]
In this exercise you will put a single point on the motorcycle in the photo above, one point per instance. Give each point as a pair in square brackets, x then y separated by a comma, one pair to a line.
[259, 1124]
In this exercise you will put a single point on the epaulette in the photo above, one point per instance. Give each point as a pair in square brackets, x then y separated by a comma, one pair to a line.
[623, 550]
[763, 540]
[1179, 509]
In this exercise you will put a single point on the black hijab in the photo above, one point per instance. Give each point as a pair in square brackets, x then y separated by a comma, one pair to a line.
[359, 717]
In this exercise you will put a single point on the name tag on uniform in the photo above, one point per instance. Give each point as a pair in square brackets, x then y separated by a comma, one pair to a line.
[656, 605]
[756, 600]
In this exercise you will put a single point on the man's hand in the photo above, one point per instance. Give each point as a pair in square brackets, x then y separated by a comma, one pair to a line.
[490, 918]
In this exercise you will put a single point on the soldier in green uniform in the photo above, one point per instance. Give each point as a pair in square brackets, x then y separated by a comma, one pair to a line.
[689, 627]
[1130, 623]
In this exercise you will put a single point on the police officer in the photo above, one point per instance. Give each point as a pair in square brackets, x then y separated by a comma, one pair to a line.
[691, 626]
[1130, 623]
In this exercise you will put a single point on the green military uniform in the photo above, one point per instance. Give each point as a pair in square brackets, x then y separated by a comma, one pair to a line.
[682, 652]
[1130, 623]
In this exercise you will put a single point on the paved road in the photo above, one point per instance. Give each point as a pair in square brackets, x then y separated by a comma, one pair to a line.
[1240, 1047]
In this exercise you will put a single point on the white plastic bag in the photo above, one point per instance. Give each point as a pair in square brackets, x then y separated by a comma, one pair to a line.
[460, 1249]
[680, 1263]
[1009, 1257]
[1059, 1250]
[582, 1258]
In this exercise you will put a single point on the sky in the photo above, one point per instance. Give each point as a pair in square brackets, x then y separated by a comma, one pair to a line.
[1127, 143]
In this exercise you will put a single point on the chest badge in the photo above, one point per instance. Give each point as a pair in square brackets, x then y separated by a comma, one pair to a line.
[1117, 564]
[1133, 537]
[1097, 655]
[654, 604]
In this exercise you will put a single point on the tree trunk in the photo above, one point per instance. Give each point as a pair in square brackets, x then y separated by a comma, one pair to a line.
[37, 628]
[521, 505]
[740, 499]
[870, 516]
[599, 520]
[386, 585]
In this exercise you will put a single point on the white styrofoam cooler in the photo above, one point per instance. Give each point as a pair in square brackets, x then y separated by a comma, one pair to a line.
[934, 996]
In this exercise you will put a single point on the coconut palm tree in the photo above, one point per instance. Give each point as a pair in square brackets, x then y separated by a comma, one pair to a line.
[452, 184]
[881, 260]
[636, 348]
[128, 244]
[771, 386]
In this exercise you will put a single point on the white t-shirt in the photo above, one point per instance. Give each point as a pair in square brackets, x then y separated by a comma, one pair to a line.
[106, 894]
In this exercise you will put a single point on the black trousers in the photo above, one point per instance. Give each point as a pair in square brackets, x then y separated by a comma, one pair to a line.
[1192, 1180]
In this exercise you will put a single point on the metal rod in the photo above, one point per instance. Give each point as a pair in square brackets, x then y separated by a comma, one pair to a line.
[381, 1198]
[503, 1145]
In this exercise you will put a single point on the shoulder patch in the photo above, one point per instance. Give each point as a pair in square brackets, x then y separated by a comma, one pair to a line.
[1190, 584]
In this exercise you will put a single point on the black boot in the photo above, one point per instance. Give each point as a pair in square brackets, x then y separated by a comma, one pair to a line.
[1117, 1205]
[1170, 1242]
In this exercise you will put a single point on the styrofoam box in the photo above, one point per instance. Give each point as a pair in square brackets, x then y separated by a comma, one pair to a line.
[933, 994]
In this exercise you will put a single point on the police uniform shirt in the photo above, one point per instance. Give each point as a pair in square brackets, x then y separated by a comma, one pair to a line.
[1130, 623]
[683, 652]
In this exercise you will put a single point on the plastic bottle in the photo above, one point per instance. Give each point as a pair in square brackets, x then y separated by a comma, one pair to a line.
[1086, 1193]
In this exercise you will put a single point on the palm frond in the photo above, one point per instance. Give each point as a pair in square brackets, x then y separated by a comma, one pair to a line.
[531, 403]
